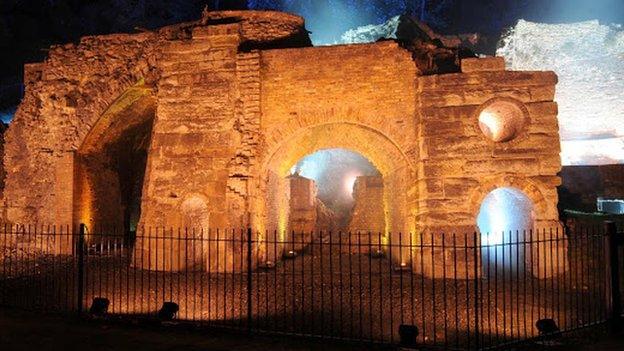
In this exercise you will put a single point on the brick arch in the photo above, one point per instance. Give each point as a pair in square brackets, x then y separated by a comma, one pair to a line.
[541, 206]
[132, 107]
[64, 98]
[380, 149]
[373, 144]
[107, 101]
[109, 164]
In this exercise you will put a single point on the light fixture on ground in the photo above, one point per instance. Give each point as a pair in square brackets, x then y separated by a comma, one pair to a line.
[402, 267]
[168, 311]
[99, 306]
[290, 254]
[408, 335]
[377, 253]
[549, 331]
[268, 265]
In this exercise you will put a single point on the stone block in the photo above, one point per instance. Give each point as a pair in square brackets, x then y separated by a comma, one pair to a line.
[485, 64]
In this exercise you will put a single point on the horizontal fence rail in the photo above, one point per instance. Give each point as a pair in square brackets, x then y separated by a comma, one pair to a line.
[461, 291]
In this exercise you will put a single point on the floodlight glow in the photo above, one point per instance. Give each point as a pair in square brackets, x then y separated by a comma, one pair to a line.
[505, 209]
[588, 58]
[504, 216]
[490, 123]
[349, 183]
[334, 171]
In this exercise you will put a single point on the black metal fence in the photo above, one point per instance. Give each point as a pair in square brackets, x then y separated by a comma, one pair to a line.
[461, 291]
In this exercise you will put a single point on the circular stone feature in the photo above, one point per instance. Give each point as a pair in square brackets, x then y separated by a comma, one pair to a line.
[502, 120]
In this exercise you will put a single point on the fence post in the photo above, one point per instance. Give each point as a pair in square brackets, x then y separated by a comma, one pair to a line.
[477, 275]
[249, 282]
[614, 295]
[80, 280]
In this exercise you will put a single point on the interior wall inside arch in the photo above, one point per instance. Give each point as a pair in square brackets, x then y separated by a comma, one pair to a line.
[110, 169]
[335, 172]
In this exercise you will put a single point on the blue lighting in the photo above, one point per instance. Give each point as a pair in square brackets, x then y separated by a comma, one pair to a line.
[505, 216]
[6, 115]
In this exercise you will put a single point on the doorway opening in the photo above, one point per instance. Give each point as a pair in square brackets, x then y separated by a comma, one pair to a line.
[506, 219]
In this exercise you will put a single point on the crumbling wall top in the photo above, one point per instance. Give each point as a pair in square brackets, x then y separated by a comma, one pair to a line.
[264, 29]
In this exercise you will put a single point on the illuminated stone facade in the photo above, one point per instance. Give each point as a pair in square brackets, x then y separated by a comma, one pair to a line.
[197, 125]
[367, 217]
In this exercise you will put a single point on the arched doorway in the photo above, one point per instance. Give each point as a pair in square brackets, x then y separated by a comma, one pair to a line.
[505, 220]
[110, 165]
[335, 173]
[271, 206]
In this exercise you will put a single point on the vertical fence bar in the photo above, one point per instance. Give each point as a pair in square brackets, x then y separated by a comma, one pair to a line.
[249, 282]
[476, 287]
[614, 295]
[80, 252]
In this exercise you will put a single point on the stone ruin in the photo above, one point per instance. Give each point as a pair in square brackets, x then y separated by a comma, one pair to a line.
[197, 125]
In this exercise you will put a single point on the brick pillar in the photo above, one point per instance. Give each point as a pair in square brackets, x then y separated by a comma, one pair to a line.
[194, 141]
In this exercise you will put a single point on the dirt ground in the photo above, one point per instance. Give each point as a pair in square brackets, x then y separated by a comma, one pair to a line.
[28, 331]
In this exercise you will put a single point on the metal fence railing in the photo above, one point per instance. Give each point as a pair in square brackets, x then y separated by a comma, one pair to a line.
[461, 291]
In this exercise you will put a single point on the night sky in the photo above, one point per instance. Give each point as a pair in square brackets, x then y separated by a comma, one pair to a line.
[28, 27]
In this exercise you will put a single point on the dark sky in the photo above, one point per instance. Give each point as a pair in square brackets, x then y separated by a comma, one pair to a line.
[29, 26]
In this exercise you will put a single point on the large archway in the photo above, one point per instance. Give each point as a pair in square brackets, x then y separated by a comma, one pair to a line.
[110, 165]
[271, 204]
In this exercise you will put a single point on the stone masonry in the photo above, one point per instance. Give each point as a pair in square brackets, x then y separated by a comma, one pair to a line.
[196, 126]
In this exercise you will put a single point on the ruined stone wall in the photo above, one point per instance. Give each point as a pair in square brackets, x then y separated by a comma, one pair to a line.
[64, 97]
[68, 93]
[460, 165]
[302, 218]
[368, 209]
[193, 138]
[231, 119]
[3, 128]
[368, 223]
[357, 97]
[264, 29]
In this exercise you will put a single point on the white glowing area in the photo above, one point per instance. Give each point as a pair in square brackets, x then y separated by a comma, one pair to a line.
[588, 57]
[334, 172]
[504, 209]
[349, 182]
[501, 121]
[505, 216]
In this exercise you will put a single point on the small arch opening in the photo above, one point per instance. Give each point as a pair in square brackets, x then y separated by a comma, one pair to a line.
[505, 218]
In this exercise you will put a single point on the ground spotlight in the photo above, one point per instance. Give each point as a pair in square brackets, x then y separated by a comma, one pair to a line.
[547, 326]
[377, 253]
[402, 267]
[99, 306]
[269, 264]
[168, 311]
[290, 254]
[408, 335]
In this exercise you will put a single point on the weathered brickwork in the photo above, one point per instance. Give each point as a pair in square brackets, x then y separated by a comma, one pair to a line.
[367, 217]
[368, 212]
[197, 125]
